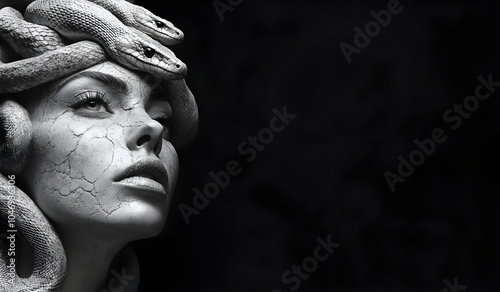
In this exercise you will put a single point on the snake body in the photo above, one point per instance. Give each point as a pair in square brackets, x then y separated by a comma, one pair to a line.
[127, 46]
[59, 38]
[49, 265]
[47, 55]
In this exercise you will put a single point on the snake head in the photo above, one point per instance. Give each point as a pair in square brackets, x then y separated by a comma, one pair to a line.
[142, 53]
[156, 27]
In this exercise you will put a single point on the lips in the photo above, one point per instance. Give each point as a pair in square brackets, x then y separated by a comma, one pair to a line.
[147, 174]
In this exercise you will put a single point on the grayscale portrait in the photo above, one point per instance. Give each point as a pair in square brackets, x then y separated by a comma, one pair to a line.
[347, 146]
[93, 106]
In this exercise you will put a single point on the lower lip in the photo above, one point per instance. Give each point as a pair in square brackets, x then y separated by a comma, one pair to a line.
[143, 183]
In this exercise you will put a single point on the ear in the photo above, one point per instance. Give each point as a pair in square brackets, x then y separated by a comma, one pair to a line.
[15, 137]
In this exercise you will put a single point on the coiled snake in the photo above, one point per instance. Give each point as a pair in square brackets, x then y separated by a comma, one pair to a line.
[57, 38]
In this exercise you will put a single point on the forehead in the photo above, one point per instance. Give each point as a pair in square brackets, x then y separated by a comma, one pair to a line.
[136, 83]
[132, 80]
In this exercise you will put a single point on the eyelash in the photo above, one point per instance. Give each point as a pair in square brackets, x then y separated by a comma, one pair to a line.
[88, 96]
[164, 120]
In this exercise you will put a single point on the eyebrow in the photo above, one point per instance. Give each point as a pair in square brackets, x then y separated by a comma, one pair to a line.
[108, 80]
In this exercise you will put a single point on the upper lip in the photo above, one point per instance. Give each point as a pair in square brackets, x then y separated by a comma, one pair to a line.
[151, 167]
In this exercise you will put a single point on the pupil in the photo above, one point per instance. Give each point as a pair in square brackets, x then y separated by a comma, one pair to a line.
[159, 24]
[149, 52]
[92, 104]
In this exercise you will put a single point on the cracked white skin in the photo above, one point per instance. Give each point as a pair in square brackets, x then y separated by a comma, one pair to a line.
[80, 148]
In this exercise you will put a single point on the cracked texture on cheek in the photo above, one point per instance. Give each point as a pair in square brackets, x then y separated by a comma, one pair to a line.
[76, 155]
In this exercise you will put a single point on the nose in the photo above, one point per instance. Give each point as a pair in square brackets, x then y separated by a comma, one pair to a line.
[145, 133]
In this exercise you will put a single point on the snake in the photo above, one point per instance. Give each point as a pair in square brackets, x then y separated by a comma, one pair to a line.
[43, 41]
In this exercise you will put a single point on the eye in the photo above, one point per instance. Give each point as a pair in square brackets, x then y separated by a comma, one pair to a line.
[160, 24]
[149, 52]
[162, 120]
[91, 101]
[161, 111]
[165, 122]
[93, 105]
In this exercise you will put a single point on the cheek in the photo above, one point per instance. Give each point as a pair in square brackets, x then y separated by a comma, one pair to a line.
[68, 169]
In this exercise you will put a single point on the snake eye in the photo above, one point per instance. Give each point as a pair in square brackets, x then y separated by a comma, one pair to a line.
[149, 52]
[160, 24]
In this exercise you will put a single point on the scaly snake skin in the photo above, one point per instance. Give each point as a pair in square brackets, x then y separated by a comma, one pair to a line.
[55, 47]
[129, 47]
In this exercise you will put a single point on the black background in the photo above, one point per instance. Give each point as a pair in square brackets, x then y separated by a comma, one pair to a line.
[323, 175]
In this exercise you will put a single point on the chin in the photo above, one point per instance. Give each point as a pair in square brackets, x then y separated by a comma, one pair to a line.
[134, 220]
[142, 219]
[141, 214]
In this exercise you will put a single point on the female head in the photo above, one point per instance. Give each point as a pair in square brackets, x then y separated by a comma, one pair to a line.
[102, 165]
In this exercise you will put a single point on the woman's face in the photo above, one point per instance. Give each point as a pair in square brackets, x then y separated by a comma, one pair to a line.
[102, 162]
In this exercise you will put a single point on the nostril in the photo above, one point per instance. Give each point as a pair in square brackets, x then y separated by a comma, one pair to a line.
[143, 140]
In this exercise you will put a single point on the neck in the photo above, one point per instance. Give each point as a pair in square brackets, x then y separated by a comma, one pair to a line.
[93, 265]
